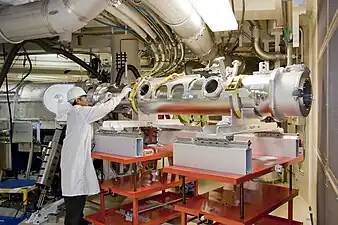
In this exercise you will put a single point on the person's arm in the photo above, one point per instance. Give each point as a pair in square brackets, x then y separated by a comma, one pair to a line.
[97, 112]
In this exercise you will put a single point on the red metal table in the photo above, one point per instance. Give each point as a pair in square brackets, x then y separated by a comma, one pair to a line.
[241, 214]
[133, 188]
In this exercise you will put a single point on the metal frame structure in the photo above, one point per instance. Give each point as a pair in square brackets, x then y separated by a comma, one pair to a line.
[243, 214]
[131, 187]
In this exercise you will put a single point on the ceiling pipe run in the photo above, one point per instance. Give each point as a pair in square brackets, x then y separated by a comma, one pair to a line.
[46, 18]
[134, 26]
[181, 16]
[288, 14]
[256, 40]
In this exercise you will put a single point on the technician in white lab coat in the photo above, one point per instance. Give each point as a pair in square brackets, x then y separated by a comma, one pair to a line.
[78, 176]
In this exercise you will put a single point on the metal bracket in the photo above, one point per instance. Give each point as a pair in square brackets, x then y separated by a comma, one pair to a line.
[279, 168]
[41, 216]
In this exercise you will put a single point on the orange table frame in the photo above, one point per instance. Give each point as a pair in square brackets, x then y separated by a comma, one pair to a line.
[135, 193]
[259, 168]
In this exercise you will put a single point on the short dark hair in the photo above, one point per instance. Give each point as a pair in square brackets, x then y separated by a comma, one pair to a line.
[74, 102]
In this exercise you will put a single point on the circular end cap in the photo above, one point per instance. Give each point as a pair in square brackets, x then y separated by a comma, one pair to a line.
[55, 95]
[305, 95]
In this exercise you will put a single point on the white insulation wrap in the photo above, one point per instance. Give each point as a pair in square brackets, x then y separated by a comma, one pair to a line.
[181, 16]
[47, 18]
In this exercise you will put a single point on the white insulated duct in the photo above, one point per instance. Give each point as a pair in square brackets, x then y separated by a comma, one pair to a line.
[47, 18]
[181, 16]
[130, 23]
[127, 15]
[136, 17]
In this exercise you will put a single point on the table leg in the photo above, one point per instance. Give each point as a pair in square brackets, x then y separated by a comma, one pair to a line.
[183, 189]
[183, 218]
[102, 205]
[135, 211]
[164, 180]
[241, 200]
[290, 203]
[171, 162]
[196, 188]
[135, 176]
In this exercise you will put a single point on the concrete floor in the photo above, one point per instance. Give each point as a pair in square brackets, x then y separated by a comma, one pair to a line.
[300, 206]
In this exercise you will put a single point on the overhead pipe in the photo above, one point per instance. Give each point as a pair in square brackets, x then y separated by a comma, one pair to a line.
[287, 7]
[176, 61]
[256, 40]
[141, 22]
[163, 32]
[134, 16]
[180, 59]
[130, 23]
[181, 16]
[127, 21]
[45, 18]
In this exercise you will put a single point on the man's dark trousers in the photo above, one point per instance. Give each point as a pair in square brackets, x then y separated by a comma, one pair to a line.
[74, 210]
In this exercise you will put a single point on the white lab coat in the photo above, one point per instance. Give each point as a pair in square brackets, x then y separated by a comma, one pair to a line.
[78, 176]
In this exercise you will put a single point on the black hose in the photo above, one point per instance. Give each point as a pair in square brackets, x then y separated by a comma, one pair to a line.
[9, 114]
[8, 104]
[9, 60]
[26, 75]
[95, 63]
[67, 54]
[122, 70]
[16, 48]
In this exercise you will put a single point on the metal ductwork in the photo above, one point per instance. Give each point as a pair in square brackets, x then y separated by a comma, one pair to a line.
[181, 16]
[256, 39]
[135, 21]
[46, 18]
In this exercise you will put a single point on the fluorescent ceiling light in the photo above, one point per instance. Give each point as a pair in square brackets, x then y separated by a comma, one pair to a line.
[217, 14]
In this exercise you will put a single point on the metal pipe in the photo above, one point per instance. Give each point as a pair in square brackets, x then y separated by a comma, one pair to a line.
[180, 60]
[302, 44]
[136, 17]
[163, 32]
[257, 45]
[185, 107]
[288, 14]
[236, 65]
[169, 34]
[30, 160]
[42, 19]
[289, 55]
[181, 16]
[142, 23]
[132, 24]
[160, 205]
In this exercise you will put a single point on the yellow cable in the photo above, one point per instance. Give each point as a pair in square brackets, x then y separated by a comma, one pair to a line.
[165, 80]
[133, 94]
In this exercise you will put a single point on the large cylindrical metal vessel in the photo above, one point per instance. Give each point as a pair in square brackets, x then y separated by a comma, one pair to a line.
[280, 93]
[27, 104]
